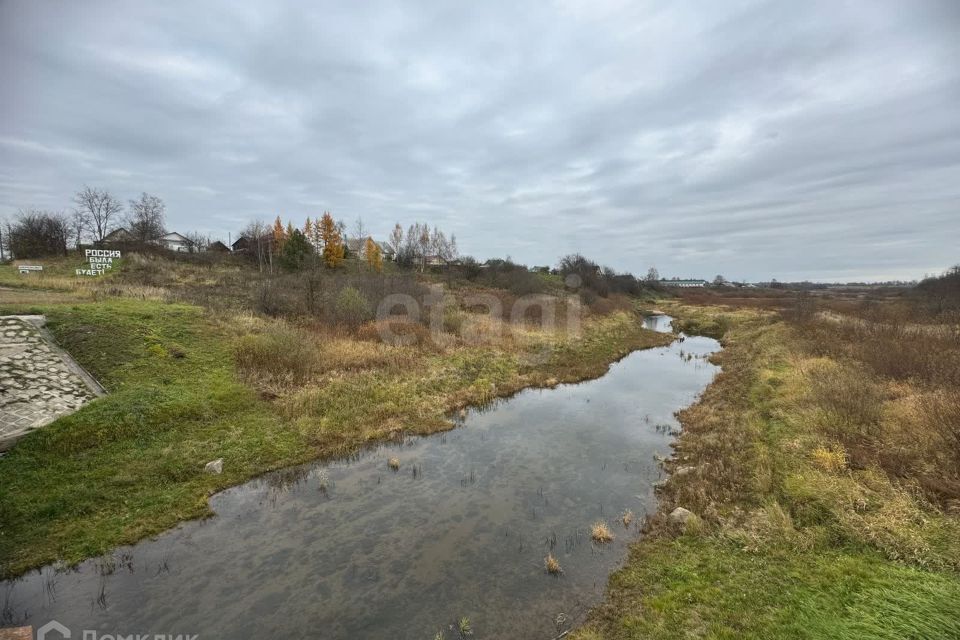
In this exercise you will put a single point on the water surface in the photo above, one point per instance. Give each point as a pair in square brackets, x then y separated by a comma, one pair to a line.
[352, 549]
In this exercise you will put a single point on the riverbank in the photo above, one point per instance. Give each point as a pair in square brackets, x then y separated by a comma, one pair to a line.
[188, 386]
[805, 525]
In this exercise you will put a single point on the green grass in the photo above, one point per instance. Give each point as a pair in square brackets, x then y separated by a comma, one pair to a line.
[708, 588]
[131, 464]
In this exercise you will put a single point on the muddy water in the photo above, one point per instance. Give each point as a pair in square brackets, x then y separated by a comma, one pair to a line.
[352, 549]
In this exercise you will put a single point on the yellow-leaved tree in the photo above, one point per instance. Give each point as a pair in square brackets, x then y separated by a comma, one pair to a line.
[308, 230]
[279, 235]
[332, 241]
[374, 255]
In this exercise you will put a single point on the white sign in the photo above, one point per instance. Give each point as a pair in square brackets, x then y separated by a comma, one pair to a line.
[27, 268]
[100, 261]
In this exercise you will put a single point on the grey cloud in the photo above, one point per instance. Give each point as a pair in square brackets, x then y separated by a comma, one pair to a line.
[758, 139]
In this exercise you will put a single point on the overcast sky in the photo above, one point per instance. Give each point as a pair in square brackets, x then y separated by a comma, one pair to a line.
[796, 140]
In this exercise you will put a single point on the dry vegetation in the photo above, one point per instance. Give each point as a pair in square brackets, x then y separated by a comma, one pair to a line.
[830, 439]
[600, 532]
[552, 565]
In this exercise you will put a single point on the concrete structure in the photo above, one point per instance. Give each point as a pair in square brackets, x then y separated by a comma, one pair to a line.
[39, 382]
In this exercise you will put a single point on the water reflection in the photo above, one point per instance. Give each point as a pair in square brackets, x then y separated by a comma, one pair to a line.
[353, 549]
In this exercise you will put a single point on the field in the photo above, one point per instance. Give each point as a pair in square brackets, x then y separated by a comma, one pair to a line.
[823, 466]
[191, 382]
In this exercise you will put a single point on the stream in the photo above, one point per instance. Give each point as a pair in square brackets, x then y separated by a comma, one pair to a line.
[353, 549]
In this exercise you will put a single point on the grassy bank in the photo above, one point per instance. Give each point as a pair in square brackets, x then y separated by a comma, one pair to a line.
[823, 487]
[187, 387]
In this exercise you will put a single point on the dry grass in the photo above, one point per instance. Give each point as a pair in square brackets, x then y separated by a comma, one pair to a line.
[809, 444]
[853, 454]
[278, 357]
[394, 464]
[552, 565]
[600, 532]
[626, 517]
[831, 460]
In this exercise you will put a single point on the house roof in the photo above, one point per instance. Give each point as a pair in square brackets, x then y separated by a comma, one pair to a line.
[244, 240]
[173, 235]
[357, 245]
[117, 234]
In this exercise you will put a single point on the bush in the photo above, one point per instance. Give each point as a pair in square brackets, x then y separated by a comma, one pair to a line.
[37, 234]
[352, 308]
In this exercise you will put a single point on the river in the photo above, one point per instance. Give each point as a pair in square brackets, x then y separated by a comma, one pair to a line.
[353, 549]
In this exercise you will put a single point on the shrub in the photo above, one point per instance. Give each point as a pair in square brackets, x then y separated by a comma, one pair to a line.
[351, 307]
[36, 234]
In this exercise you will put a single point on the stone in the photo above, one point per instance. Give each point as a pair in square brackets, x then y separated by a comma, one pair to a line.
[684, 470]
[38, 383]
[681, 515]
[214, 466]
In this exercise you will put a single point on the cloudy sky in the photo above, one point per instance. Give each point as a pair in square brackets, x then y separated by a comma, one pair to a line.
[796, 140]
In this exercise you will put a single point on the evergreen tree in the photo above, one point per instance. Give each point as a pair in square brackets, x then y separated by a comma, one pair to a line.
[296, 251]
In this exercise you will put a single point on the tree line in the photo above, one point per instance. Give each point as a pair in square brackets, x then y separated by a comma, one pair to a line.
[324, 242]
[96, 212]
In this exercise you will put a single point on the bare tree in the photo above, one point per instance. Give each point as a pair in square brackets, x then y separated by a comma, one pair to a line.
[101, 207]
[146, 217]
[359, 230]
[653, 275]
[259, 240]
[198, 241]
[396, 239]
[423, 243]
[79, 226]
[443, 248]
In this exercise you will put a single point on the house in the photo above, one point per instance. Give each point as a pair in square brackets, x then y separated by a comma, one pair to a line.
[175, 242]
[246, 244]
[218, 247]
[683, 284]
[358, 247]
[118, 235]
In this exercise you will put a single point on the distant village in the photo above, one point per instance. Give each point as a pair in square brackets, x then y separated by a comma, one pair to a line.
[99, 220]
